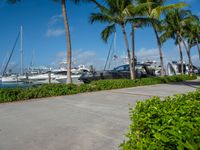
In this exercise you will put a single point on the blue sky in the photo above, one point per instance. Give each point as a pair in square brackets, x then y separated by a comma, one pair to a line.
[44, 35]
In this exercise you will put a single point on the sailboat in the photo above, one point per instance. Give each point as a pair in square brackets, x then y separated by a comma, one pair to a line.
[13, 78]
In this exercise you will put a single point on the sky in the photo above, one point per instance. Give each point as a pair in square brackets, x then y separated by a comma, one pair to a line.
[44, 40]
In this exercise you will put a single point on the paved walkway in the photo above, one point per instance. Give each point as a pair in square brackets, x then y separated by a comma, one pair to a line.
[90, 121]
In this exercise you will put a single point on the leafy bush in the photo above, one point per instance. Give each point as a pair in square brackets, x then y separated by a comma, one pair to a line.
[8, 95]
[48, 90]
[170, 124]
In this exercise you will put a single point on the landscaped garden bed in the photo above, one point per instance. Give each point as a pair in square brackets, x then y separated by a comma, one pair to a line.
[49, 90]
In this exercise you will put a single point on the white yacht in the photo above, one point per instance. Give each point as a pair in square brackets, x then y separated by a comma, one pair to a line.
[61, 74]
[153, 65]
[58, 75]
[61, 77]
[9, 79]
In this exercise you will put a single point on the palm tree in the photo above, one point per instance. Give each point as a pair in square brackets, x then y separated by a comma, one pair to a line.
[114, 12]
[193, 32]
[186, 35]
[170, 34]
[137, 20]
[154, 11]
[173, 23]
[121, 12]
[179, 25]
[68, 37]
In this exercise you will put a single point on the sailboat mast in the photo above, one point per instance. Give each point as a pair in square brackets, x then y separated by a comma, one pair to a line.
[21, 48]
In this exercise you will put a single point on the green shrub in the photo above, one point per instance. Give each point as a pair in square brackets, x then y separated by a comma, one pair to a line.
[8, 95]
[112, 84]
[170, 124]
[48, 90]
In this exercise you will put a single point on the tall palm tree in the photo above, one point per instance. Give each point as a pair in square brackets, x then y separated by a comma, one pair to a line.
[186, 35]
[178, 25]
[121, 12]
[170, 34]
[114, 12]
[193, 33]
[154, 11]
[67, 29]
[137, 20]
[171, 25]
[68, 37]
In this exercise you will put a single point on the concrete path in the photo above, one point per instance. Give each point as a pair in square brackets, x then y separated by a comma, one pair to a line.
[90, 121]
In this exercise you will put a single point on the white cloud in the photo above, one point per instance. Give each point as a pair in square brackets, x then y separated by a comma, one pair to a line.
[61, 54]
[147, 54]
[55, 32]
[55, 20]
[55, 29]
[169, 55]
[195, 60]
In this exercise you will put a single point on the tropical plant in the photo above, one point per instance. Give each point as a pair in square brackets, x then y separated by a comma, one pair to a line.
[171, 25]
[114, 12]
[137, 20]
[68, 37]
[154, 11]
[193, 33]
[186, 35]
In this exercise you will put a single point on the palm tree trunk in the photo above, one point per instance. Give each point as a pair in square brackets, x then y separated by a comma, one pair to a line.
[198, 47]
[181, 56]
[128, 51]
[160, 50]
[190, 61]
[133, 51]
[68, 39]
[188, 54]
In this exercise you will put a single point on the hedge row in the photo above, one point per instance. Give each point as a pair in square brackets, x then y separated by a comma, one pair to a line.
[172, 124]
[48, 90]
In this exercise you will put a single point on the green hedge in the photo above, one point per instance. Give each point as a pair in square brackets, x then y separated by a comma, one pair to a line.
[172, 124]
[48, 90]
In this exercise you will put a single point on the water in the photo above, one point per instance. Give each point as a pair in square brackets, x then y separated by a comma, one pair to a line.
[14, 85]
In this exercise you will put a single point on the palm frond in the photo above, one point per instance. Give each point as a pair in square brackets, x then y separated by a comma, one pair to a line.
[100, 17]
[106, 33]
[156, 12]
